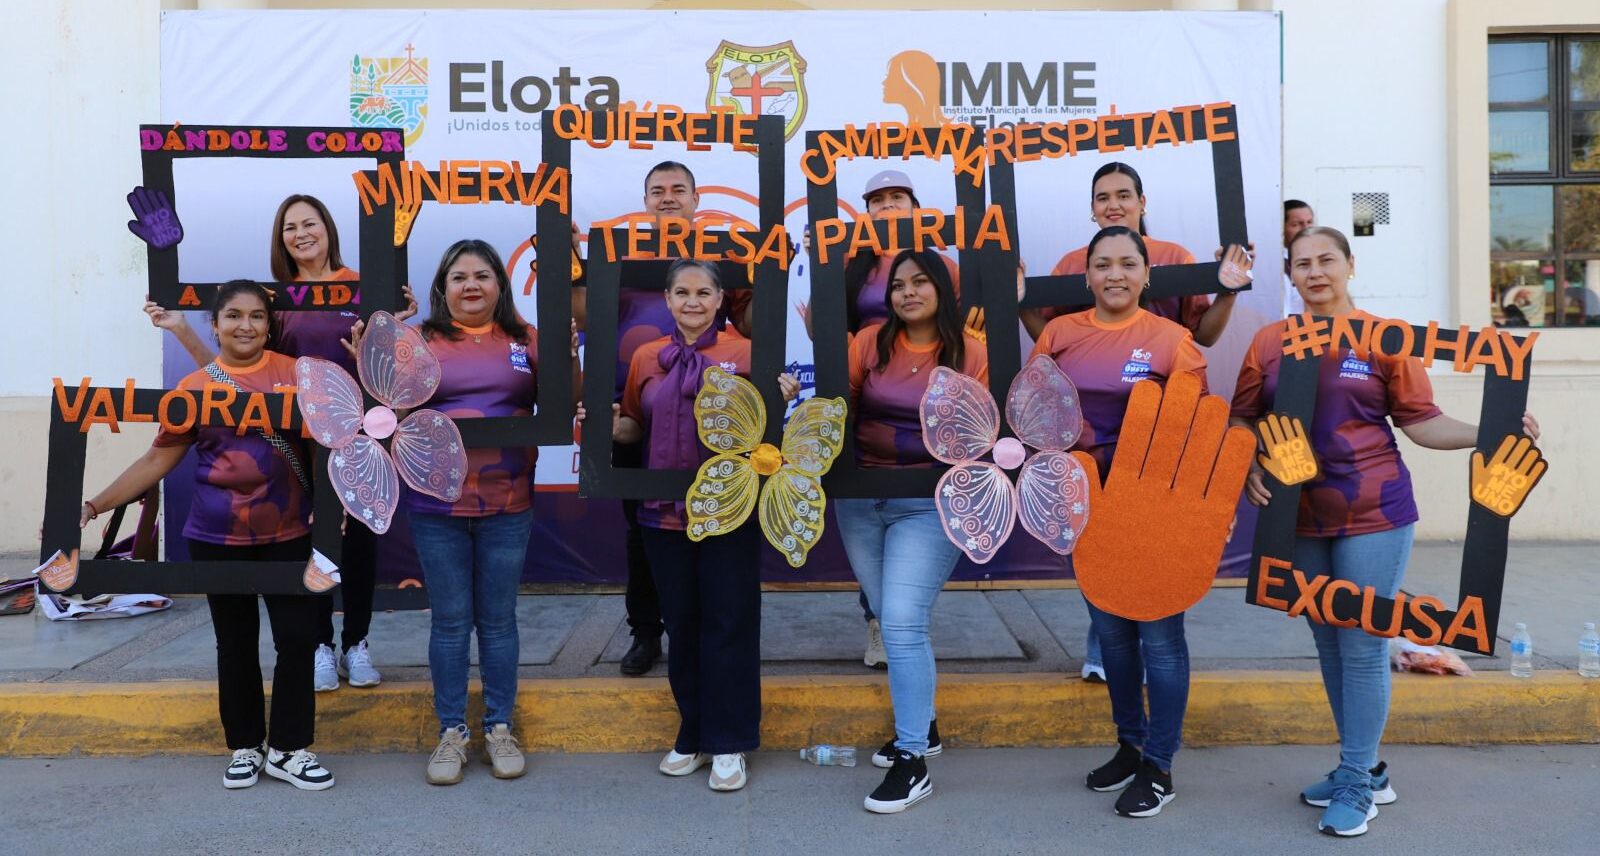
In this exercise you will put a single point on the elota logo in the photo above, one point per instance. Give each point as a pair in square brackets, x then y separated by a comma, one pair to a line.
[530, 94]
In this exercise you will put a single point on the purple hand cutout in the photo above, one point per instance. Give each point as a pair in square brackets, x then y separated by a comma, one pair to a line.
[157, 224]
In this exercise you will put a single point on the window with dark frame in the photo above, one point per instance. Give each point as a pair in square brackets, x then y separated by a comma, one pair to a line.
[1544, 180]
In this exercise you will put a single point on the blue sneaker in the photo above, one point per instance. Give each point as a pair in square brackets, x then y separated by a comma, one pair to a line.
[1321, 793]
[1351, 807]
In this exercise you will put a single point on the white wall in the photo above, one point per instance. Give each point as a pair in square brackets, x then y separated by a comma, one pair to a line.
[1364, 88]
[82, 75]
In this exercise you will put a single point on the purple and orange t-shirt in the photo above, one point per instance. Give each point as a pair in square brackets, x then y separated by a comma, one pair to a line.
[318, 334]
[1104, 361]
[1185, 310]
[888, 404]
[643, 392]
[1362, 486]
[245, 490]
[486, 373]
[643, 317]
[872, 303]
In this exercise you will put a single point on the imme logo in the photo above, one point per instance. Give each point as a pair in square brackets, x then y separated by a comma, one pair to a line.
[390, 92]
[768, 80]
[933, 92]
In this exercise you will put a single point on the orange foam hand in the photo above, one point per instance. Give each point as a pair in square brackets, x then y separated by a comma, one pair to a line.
[1159, 524]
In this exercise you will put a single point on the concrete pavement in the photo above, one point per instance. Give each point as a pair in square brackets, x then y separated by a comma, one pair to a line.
[1503, 800]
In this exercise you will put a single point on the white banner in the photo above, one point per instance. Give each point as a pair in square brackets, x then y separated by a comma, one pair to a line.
[469, 85]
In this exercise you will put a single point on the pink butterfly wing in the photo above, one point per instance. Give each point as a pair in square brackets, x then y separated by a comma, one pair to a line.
[1043, 408]
[978, 505]
[1053, 499]
[430, 456]
[395, 363]
[365, 480]
[960, 421]
[329, 401]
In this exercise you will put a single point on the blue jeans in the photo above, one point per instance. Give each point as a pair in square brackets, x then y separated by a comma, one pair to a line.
[1355, 664]
[471, 566]
[902, 559]
[1161, 665]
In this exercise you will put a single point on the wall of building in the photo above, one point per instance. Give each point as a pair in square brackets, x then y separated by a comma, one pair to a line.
[1378, 96]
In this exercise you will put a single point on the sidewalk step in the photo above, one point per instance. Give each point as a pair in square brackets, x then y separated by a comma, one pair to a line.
[975, 710]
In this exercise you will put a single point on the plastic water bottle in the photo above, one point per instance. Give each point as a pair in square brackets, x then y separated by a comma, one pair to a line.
[825, 755]
[1521, 653]
[1589, 652]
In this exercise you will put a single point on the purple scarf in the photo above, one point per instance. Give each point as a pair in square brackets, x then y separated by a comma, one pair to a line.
[674, 442]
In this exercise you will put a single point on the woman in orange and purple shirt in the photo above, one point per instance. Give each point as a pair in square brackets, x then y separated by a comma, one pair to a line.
[251, 503]
[305, 248]
[710, 590]
[1106, 350]
[1356, 518]
[472, 551]
[1116, 198]
[897, 547]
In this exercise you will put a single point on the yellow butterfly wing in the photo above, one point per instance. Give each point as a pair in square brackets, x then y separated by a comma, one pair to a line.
[792, 506]
[722, 496]
[727, 412]
[814, 435]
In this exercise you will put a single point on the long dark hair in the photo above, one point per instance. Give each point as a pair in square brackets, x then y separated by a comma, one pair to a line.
[1112, 232]
[857, 270]
[1138, 187]
[440, 323]
[236, 287]
[284, 267]
[946, 317]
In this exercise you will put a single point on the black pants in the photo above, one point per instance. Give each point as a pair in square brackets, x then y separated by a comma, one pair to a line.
[711, 600]
[643, 604]
[358, 572]
[237, 623]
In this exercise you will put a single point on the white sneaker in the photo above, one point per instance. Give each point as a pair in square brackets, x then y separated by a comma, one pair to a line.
[355, 666]
[244, 769]
[728, 773]
[678, 764]
[298, 768]
[1094, 674]
[327, 674]
[875, 658]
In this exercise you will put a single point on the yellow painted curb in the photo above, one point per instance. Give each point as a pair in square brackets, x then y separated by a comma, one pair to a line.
[636, 715]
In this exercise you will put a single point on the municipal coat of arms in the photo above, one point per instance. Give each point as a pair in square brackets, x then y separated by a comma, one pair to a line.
[390, 92]
[768, 80]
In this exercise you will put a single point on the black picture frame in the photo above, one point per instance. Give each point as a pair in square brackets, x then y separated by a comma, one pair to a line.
[1227, 170]
[554, 407]
[63, 503]
[830, 319]
[1483, 560]
[383, 267]
[597, 477]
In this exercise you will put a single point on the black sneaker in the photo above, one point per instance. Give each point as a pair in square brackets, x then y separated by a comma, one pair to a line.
[1114, 775]
[1151, 789]
[244, 769]
[884, 757]
[298, 768]
[905, 785]
[645, 652]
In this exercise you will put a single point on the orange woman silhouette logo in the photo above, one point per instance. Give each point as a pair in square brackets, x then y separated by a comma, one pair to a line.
[912, 82]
